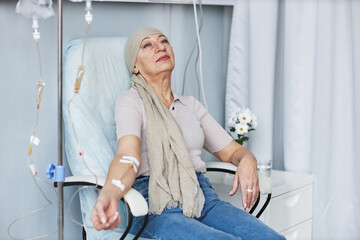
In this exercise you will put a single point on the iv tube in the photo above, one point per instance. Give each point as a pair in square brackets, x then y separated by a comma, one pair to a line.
[200, 54]
[191, 54]
[81, 69]
[79, 76]
[200, 81]
[36, 179]
[35, 9]
[35, 141]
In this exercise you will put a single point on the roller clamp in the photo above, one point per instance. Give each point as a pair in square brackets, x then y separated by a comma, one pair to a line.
[56, 172]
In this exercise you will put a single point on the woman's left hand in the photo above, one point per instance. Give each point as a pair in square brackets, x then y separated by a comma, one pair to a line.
[247, 178]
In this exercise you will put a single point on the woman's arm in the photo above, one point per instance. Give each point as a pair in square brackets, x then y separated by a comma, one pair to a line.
[246, 175]
[105, 212]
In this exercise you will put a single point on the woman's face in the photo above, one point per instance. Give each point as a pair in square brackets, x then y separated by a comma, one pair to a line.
[155, 56]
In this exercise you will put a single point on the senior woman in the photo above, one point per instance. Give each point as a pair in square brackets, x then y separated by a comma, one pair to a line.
[165, 133]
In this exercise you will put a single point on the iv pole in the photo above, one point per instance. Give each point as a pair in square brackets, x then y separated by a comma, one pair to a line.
[60, 125]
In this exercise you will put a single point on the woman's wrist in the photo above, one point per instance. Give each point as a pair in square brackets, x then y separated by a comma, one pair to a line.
[248, 160]
[243, 155]
[112, 191]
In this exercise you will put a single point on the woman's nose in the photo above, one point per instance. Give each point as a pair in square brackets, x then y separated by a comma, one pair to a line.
[159, 47]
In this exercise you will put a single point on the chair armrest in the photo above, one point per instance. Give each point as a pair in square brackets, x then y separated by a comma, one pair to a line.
[88, 180]
[264, 183]
[137, 203]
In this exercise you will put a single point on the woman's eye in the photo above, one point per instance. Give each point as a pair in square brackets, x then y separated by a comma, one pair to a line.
[147, 45]
[165, 41]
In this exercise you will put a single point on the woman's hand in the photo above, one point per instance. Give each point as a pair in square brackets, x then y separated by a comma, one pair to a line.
[247, 178]
[105, 214]
[246, 174]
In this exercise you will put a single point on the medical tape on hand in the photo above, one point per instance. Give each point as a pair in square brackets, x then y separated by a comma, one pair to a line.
[118, 183]
[131, 160]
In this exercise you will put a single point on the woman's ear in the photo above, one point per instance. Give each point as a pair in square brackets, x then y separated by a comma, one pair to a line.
[135, 70]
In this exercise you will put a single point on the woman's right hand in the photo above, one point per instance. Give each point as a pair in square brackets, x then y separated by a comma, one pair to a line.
[105, 214]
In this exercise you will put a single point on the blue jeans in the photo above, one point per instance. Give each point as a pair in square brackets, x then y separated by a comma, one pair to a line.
[218, 220]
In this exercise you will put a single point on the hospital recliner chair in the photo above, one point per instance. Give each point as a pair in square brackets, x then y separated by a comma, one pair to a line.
[92, 111]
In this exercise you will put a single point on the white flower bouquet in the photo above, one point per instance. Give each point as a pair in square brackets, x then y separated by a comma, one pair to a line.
[241, 122]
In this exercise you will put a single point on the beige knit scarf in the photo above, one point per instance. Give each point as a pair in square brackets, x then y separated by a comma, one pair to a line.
[173, 181]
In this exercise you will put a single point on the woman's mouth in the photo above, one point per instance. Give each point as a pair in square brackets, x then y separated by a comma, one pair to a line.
[162, 58]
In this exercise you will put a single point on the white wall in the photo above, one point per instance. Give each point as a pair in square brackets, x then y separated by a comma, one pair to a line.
[19, 74]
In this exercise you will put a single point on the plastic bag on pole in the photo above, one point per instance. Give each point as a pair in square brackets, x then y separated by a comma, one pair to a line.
[35, 8]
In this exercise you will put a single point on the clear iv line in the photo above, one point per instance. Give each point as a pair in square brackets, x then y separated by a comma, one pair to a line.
[39, 56]
[200, 54]
[79, 76]
[81, 153]
[83, 50]
[196, 58]
[30, 162]
[34, 177]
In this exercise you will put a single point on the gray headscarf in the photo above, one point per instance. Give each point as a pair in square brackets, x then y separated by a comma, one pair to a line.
[173, 181]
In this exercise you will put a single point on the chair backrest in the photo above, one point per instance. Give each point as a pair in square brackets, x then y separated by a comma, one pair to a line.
[93, 114]
[105, 77]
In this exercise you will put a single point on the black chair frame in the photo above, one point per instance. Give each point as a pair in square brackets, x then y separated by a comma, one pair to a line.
[130, 215]
[210, 169]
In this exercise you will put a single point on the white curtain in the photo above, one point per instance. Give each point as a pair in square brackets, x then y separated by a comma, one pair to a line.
[300, 73]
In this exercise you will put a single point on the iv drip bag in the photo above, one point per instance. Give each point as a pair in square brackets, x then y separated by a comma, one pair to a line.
[35, 8]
